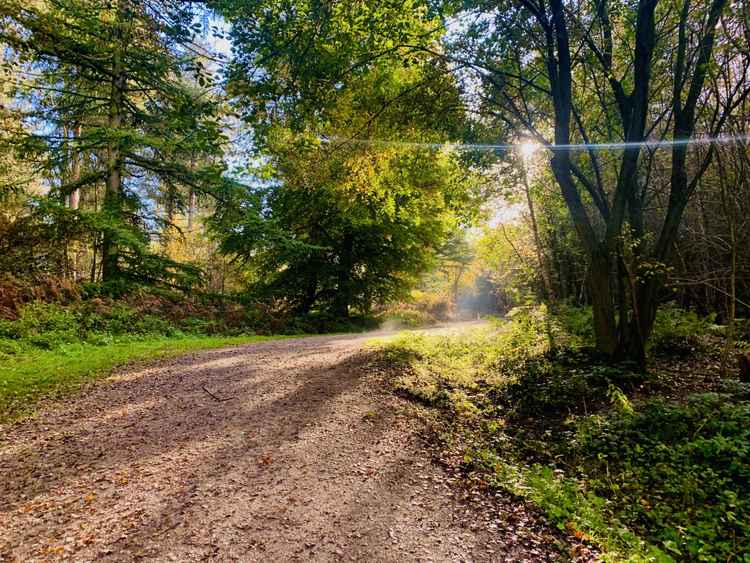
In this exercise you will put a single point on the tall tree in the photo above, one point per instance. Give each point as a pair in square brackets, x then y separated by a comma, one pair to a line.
[105, 80]
[601, 70]
[353, 223]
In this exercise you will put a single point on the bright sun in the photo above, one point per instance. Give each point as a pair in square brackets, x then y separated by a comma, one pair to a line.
[528, 148]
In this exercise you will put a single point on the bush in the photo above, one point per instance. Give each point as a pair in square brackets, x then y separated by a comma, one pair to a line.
[8, 329]
[9, 348]
[406, 318]
[679, 332]
[678, 473]
[577, 321]
[196, 325]
[118, 319]
[100, 319]
[150, 324]
[48, 325]
[568, 383]
[742, 329]
[45, 321]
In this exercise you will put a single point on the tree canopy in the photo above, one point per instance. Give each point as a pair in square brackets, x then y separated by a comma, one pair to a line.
[333, 150]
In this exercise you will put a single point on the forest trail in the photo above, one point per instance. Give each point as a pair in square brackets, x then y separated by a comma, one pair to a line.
[287, 450]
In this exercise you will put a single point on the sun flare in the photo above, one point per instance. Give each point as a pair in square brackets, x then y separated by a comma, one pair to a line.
[528, 148]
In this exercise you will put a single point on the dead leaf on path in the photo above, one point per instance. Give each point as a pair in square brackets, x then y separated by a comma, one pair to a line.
[265, 460]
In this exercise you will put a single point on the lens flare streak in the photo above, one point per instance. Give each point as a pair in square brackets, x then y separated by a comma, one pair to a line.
[650, 144]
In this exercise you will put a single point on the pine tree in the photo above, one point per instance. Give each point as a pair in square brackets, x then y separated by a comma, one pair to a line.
[113, 84]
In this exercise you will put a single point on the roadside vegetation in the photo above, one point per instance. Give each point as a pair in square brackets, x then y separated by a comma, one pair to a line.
[650, 465]
[51, 347]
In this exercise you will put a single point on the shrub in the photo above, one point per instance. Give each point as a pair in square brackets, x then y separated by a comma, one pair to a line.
[8, 329]
[100, 339]
[406, 318]
[742, 329]
[195, 325]
[678, 332]
[118, 319]
[48, 325]
[9, 348]
[570, 382]
[577, 321]
[100, 319]
[44, 321]
[52, 339]
[150, 324]
[678, 473]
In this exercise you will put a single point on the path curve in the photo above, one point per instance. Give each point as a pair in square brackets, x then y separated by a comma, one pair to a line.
[286, 450]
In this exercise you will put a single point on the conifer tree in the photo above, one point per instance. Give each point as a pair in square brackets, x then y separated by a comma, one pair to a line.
[113, 84]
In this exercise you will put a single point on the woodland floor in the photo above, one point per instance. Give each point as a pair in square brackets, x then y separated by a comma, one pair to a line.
[287, 450]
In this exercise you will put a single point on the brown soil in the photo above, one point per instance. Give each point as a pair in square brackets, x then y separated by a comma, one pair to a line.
[281, 451]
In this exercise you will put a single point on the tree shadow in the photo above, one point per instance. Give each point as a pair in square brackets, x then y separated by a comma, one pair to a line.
[145, 413]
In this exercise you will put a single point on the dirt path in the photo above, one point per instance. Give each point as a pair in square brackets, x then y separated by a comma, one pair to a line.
[307, 459]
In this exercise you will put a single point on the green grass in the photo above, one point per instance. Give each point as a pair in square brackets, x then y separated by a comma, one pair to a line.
[645, 480]
[27, 378]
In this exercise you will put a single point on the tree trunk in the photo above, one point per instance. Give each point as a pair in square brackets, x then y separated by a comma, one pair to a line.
[113, 193]
[75, 171]
[732, 313]
[192, 201]
[75, 200]
[541, 256]
[632, 344]
[94, 249]
[602, 303]
[684, 115]
[311, 295]
[343, 297]
[729, 208]
[599, 273]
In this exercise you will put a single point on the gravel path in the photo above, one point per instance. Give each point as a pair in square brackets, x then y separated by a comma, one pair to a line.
[287, 450]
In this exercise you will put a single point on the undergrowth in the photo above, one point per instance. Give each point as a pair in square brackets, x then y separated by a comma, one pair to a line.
[406, 318]
[531, 409]
[45, 326]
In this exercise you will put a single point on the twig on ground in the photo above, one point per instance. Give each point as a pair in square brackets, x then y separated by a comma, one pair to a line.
[221, 400]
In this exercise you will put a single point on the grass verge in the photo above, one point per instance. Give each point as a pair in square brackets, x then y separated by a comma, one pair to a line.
[35, 374]
[609, 453]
